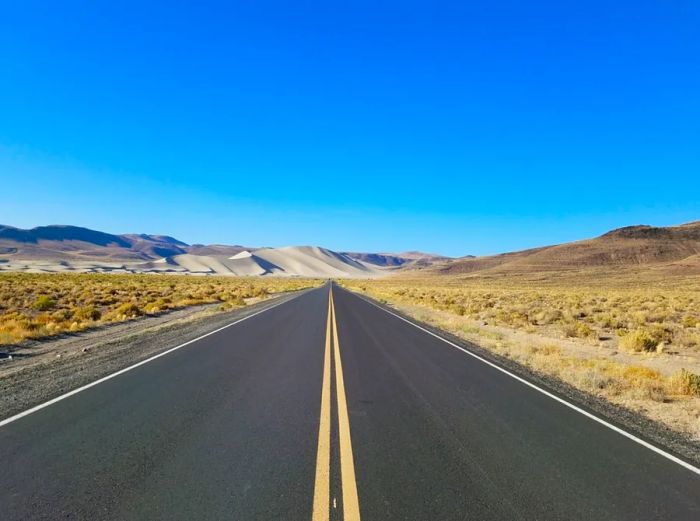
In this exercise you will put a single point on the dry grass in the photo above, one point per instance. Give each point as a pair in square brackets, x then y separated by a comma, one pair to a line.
[637, 319]
[40, 305]
[643, 318]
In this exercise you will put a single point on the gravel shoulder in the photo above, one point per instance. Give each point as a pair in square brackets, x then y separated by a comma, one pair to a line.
[38, 371]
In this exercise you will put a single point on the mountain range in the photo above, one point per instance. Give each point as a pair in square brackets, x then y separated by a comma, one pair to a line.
[57, 248]
[674, 248]
[72, 248]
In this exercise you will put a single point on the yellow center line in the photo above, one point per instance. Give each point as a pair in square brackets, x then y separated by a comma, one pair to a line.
[321, 508]
[351, 506]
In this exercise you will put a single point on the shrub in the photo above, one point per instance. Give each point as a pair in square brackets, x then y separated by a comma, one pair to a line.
[661, 333]
[87, 313]
[44, 303]
[638, 340]
[609, 321]
[129, 309]
[458, 309]
[237, 301]
[61, 314]
[548, 316]
[578, 330]
[690, 321]
[688, 383]
[547, 350]
[152, 308]
[259, 292]
[637, 373]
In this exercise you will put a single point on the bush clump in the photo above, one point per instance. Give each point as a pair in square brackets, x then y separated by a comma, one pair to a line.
[87, 313]
[129, 309]
[688, 383]
[578, 330]
[639, 340]
[44, 303]
[690, 321]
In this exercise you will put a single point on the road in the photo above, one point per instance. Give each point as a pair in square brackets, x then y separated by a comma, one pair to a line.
[321, 409]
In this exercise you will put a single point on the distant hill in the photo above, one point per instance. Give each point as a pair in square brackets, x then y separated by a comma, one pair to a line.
[72, 248]
[61, 233]
[629, 246]
[66, 242]
[396, 260]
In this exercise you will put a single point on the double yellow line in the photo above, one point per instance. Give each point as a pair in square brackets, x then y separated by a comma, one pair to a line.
[322, 487]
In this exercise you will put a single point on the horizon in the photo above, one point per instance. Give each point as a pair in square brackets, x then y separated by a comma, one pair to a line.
[344, 250]
[452, 129]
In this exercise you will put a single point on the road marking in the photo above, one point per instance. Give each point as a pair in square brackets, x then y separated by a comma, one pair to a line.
[322, 485]
[126, 369]
[351, 506]
[322, 505]
[570, 405]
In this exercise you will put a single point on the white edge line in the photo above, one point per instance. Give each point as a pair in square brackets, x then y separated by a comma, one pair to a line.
[570, 405]
[126, 369]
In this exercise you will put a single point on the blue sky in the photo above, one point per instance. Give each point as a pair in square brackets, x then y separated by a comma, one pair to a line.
[454, 127]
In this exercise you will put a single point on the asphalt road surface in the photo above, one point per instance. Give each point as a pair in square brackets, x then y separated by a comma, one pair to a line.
[320, 409]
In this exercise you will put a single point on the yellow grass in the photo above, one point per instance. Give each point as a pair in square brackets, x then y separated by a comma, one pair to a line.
[643, 317]
[39, 305]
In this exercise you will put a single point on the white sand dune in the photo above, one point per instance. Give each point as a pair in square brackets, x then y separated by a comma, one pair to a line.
[312, 261]
[292, 261]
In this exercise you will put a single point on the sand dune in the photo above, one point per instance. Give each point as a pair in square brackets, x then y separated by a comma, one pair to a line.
[57, 248]
[293, 261]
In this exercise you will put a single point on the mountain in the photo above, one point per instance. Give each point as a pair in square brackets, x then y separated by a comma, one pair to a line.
[396, 260]
[71, 248]
[60, 233]
[65, 242]
[378, 259]
[641, 245]
[155, 245]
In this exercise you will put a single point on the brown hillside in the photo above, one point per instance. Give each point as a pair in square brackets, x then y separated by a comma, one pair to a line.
[630, 246]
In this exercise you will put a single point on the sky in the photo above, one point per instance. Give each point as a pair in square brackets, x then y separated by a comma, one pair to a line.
[449, 127]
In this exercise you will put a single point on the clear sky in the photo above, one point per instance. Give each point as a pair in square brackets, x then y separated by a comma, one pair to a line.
[455, 127]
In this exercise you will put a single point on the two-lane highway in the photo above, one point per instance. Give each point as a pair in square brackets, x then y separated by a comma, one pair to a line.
[328, 407]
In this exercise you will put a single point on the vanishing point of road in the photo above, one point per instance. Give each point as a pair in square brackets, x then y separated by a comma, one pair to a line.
[329, 407]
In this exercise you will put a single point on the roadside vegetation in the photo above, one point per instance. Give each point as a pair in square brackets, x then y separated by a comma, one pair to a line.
[636, 344]
[34, 306]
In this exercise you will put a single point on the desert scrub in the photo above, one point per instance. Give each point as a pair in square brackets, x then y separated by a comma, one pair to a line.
[645, 315]
[690, 321]
[579, 330]
[44, 302]
[688, 383]
[638, 340]
[39, 305]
